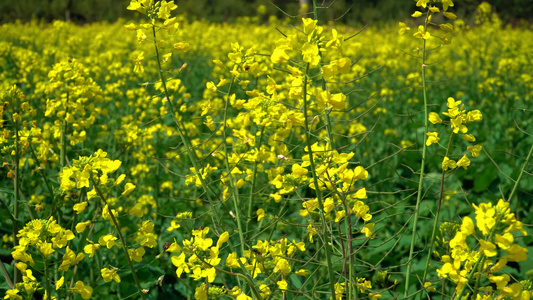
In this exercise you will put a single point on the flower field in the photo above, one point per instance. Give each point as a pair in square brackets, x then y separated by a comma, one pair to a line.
[292, 159]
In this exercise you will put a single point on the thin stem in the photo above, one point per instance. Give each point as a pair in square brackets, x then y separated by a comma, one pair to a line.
[16, 182]
[41, 170]
[478, 279]
[481, 258]
[515, 187]
[47, 279]
[422, 166]
[250, 283]
[183, 135]
[436, 221]
[319, 195]
[63, 149]
[254, 177]
[327, 246]
[122, 240]
[6, 275]
[235, 193]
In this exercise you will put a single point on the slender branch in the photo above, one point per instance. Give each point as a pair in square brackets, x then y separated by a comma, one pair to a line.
[122, 240]
[422, 164]
[327, 246]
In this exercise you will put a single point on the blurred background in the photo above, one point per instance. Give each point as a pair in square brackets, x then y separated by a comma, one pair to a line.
[350, 12]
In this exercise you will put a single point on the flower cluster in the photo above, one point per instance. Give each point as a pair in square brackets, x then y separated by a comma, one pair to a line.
[75, 95]
[431, 10]
[88, 170]
[43, 238]
[482, 257]
[458, 119]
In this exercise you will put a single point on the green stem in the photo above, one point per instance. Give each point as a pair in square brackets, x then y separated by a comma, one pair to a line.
[183, 135]
[16, 183]
[235, 193]
[43, 175]
[63, 150]
[122, 240]
[325, 232]
[515, 187]
[252, 189]
[422, 167]
[436, 221]
[478, 279]
[329, 127]
[250, 283]
[47, 279]
[350, 288]
[6, 275]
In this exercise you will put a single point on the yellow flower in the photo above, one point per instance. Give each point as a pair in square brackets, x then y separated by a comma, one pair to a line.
[434, 118]
[137, 210]
[283, 266]
[428, 285]
[504, 241]
[487, 248]
[84, 290]
[110, 274]
[367, 229]
[91, 249]
[181, 46]
[46, 249]
[264, 291]
[179, 262]
[422, 33]
[224, 237]
[137, 254]
[475, 150]
[416, 14]
[474, 116]
[260, 214]
[403, 28]
[432, 138]
[463, 162]
[449, 15]
[119, 179]
[13, 294]
[174, 247]
[282, 284]
[448, 164]
[80, 207]
[279, 56]
[516, 253]
[468, 137]
[422, 3]
[60, 282]
[165, 8]
[138, 60]
[128, 188]
[446, 3]
[107, 240]
[309, 25]
[467, 226]
[200, 293]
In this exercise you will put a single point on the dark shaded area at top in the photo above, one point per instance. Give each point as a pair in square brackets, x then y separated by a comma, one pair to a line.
[351, 12]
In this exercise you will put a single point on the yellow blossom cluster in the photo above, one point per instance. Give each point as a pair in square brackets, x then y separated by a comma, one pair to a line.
[482, 257]
[458, 119]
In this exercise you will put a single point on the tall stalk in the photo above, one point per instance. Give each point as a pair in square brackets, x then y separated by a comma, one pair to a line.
[16, 183]
[422, 165]
[235, 192]
[122, 240]
[326, 238]
[515, 187]
[437, 214]
[183, 135]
